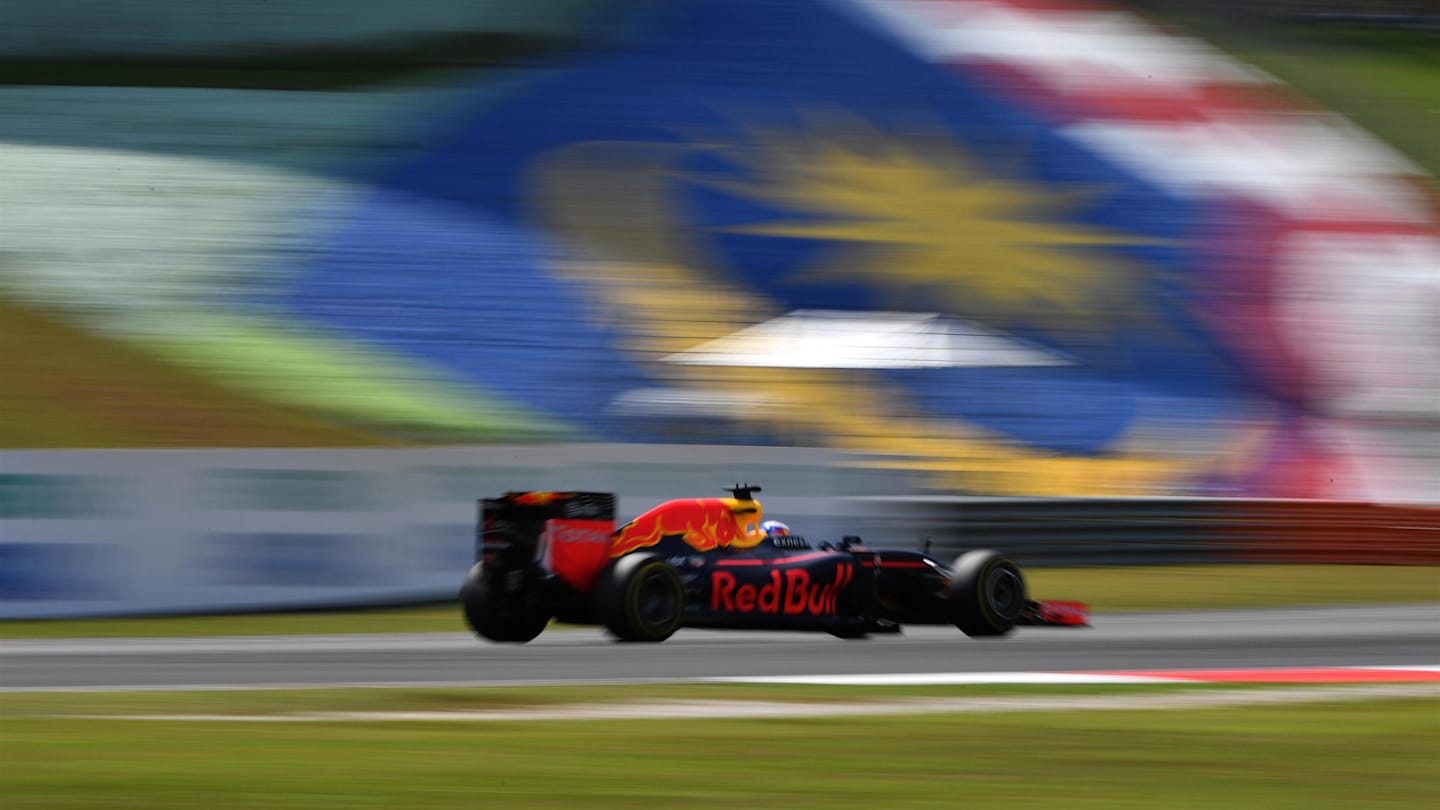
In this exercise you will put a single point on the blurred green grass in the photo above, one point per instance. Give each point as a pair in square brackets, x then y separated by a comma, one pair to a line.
[1375, 754]
[72, 388]
[431, 618]
[16, 705]
[350, 383]
[243, 383]
[1199, 587]
[1205, 587]
[1387, 80]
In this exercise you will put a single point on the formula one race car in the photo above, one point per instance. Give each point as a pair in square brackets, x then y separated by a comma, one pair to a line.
[707, 562]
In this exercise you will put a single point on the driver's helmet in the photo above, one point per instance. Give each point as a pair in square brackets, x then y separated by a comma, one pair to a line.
[774, 528]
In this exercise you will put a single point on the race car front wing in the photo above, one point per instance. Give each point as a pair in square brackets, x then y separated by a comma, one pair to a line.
[1039, 613]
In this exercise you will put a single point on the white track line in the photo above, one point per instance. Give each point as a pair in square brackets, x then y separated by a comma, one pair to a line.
[744, 709]
[881, 679]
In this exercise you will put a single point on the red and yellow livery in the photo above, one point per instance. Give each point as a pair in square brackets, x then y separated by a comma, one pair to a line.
[704, 562]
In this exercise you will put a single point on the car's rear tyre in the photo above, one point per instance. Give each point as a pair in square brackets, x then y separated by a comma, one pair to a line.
[986, 595]
[511, 618]
[640, 597]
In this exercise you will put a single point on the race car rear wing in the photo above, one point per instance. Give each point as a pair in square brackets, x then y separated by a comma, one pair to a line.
[567, 534]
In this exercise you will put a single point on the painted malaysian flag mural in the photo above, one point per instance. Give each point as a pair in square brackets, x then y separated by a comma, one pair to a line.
[1019, 246]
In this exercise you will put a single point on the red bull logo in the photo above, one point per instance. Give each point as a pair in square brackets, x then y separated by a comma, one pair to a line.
[538, 498]
[576, 550]
[791, 592]
[704, 523]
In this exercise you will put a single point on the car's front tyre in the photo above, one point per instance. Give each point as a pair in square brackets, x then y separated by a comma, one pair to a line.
[986, 595]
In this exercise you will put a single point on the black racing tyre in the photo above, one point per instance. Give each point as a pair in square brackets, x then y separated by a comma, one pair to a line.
[516, 619]
[986, 595]
[640, 597]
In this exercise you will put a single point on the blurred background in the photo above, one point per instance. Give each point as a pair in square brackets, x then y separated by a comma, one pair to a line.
[982, 248]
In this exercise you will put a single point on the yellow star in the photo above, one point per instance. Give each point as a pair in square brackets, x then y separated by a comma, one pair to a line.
[922, 216]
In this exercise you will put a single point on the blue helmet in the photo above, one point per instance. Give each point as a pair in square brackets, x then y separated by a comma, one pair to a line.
[774, 528]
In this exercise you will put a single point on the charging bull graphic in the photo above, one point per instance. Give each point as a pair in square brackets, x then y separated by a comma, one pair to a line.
[704, 523]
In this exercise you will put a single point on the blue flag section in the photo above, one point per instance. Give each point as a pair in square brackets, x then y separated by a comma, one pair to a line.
[578, 247]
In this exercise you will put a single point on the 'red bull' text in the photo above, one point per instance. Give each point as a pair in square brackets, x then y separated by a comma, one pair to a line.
[791, 592]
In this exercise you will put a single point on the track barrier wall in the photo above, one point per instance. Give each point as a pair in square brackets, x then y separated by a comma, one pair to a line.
[96, 533]
[93, 533]
[1169, 531]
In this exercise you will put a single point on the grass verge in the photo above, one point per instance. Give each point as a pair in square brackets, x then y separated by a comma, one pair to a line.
[1205, 587]
[18, 705]
[441, 618]
[1365, 754]
[1387, 80]
[64, 387]
[1105, 589]
[280, 362]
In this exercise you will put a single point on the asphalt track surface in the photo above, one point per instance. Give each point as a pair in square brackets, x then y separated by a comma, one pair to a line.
[1222, 639]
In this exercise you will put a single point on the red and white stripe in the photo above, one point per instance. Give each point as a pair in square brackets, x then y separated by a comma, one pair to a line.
[1172, 109]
